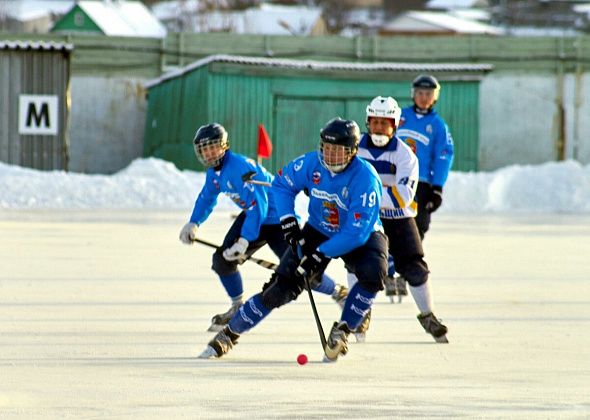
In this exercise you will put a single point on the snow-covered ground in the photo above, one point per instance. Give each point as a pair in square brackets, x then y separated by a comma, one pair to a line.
[103, 311]
[156, 184]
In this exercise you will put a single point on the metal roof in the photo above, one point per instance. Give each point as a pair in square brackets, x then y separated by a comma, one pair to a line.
[36, 45]
[322, 65]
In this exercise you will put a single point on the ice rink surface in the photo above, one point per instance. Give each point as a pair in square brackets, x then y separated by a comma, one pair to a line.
[102, 315]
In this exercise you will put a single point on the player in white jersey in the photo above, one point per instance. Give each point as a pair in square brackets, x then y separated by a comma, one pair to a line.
[397, 167]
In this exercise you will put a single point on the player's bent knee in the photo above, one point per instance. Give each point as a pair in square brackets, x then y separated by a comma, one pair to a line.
[280, 291]
[221, 266]
[416, 275]
[371, 278]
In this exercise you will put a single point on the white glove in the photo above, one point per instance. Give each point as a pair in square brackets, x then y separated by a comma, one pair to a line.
[237, 251]
[188, 233]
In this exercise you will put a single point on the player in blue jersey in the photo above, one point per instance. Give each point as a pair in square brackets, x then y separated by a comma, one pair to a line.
[258, 223]
[344, 199]
[429, 137]
[397, 166]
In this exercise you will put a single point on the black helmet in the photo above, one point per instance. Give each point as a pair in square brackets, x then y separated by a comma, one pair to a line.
[425, 81]
[339, 132]
[210, 137]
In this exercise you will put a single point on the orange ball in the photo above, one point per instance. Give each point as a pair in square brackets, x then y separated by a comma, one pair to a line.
[302, 359]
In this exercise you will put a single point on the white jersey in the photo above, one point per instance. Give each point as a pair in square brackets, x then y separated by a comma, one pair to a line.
[397, 167]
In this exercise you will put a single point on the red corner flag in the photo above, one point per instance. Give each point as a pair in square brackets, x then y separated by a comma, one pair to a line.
[264, 143]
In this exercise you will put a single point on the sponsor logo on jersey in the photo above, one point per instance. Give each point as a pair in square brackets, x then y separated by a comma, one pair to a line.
[429, 128]
[289, 181]
[404, 133]
[316, 178]
[216, 184]
[229, 185]
[323, 195]
[344, 192]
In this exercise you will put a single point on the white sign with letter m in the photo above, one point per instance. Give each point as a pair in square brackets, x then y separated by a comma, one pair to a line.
[37, 114]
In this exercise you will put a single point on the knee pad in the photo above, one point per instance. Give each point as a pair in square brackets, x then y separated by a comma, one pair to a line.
[416, 274]
[371, 277]
[221, 266]
[280, 290]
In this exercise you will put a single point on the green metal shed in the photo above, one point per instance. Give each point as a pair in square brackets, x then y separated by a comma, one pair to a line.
[294, 99]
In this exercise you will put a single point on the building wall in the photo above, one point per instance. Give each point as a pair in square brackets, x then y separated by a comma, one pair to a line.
[29, 70]
[520, 119]
[107, 123]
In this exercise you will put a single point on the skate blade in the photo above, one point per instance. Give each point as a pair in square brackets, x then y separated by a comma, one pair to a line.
[327, 360]
[441, 339]
[215, 327]
[360, 337]
[208, 353]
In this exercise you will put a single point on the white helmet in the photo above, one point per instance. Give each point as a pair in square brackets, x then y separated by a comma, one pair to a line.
[383, 107]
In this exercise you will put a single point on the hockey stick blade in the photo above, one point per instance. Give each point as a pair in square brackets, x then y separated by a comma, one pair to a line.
[247, 177]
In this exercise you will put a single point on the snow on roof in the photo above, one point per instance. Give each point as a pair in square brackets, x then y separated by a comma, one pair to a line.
[123, 18]
[415, 21]
[281, 20]
[24, 10]
[472, 14]
[266, 19]
[454, 4]
[321, 65]
[35, 45]
[581, 8]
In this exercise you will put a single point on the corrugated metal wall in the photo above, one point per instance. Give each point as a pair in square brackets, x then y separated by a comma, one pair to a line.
[29, 69]
[293, 110]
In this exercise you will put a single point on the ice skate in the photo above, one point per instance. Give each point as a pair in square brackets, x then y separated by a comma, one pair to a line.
[434, 327]
[337, 342]
[220, 320]
[361, 331]
[395, 286]
[339, 295]
[223, 342]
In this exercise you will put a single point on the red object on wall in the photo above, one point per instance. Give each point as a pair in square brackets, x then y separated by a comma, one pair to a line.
[264, 143]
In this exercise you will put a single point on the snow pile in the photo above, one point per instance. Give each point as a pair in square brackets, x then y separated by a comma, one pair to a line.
[555, 187]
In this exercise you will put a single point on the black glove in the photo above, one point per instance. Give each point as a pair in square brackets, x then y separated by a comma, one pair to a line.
[434, 198]
[312, 264]
[291, 232]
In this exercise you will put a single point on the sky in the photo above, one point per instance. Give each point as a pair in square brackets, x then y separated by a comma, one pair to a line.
[553, 187]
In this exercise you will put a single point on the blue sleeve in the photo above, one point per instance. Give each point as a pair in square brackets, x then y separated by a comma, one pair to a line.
[287, 184]
[205, 201]
[253, 199]
[442, 157]
[256, 199]
[363, 215]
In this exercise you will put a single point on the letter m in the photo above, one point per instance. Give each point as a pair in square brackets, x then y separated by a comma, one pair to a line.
[39, 117]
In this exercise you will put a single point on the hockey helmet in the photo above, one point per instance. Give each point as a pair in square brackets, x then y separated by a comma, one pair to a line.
[210, 144]
[339, 140]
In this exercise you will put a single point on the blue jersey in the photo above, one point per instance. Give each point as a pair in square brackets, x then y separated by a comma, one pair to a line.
[256, 200]
[429, 137]
[343, 206]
